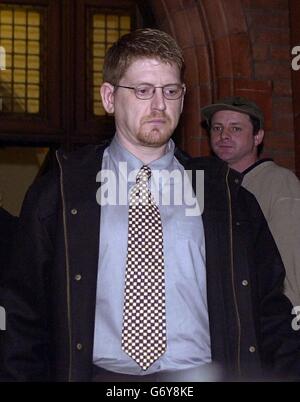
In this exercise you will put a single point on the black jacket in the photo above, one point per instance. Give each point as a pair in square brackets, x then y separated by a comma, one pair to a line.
[50, 294]
[7, 224]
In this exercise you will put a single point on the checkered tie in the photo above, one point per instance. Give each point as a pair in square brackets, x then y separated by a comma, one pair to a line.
[144, 318]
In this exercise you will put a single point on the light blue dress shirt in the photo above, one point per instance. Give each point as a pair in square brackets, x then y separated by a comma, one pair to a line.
[188, 338]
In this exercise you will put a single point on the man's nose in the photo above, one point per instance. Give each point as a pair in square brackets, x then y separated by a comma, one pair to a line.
[225, 133]
[158, 100]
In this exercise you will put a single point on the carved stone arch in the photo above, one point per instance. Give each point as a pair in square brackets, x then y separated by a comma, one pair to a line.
[214, 37]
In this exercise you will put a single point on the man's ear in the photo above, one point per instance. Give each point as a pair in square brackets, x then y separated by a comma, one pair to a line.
[107, 96]
[258, 138]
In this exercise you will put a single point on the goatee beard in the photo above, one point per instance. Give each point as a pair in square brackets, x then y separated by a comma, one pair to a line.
[155, 137]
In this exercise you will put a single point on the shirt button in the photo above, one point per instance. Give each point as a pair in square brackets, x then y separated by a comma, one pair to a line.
[245, 282]
[74, 211]
[78, 277]
[252, 349]
[79, 346]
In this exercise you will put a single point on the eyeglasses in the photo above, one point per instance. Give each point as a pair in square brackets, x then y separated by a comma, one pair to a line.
[147, 91]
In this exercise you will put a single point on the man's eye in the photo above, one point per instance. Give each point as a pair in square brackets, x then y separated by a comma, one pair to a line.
[217, 128]
[235, 129]
[171, 90]
[143, 90]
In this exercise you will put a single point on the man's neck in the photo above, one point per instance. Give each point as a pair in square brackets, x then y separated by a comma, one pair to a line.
[146, 154]
[243, 164]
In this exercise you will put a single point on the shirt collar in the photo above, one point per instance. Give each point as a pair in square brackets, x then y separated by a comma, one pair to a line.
[120, 154]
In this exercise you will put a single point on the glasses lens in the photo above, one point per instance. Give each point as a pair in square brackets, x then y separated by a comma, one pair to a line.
[144, 91]
[172, 91]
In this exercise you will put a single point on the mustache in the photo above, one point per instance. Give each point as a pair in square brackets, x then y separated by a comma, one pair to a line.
[222, 142]
[156, 115]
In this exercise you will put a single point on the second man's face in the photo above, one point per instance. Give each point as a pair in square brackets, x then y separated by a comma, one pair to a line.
[232, 139]
[151, 122]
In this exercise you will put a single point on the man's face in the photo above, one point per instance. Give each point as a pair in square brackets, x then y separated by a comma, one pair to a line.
[149, 122]
[232, 139]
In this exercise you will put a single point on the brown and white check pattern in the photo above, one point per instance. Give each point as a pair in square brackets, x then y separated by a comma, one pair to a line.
[144, 316]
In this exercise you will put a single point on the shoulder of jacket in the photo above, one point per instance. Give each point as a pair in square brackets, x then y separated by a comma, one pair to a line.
[279, 177]
[81, 155]
[271, 168]
[211, 165]
[45, 185]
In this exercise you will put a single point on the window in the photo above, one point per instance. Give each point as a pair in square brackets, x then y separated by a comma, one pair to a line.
[20, 37]
[104, 31]
[53, 53]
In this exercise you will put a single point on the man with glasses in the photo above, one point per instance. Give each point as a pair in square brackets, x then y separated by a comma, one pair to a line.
[118, 278]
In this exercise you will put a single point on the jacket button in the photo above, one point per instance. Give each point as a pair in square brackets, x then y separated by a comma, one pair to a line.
[65, 156]
[238, 223]
[78, 277]
[252, 349]
[236, 181]
[74, 211]
[79, 346]
[245, 282]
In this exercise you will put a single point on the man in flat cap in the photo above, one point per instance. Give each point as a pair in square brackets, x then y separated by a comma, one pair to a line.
[236, 128]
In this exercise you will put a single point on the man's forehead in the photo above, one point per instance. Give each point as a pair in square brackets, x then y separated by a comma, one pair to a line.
[150, 65]
[231, 116]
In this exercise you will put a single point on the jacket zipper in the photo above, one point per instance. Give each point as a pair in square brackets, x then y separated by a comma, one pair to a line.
[232, 275]
[67, 268]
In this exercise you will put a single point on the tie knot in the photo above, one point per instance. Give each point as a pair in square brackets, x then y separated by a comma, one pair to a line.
[144, 174]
